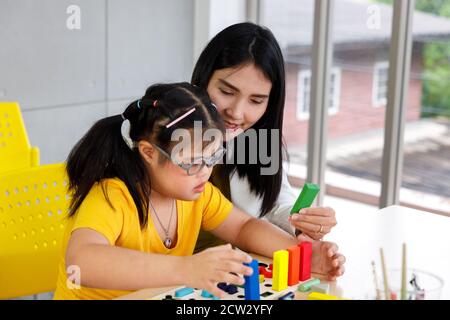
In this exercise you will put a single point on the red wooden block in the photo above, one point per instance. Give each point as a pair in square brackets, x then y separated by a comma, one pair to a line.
[305, 260]
[271, 266]
[268, 274]
[262, 270]
[294, 265]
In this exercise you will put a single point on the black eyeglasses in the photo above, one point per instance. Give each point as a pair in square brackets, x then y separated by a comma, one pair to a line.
[194, 168]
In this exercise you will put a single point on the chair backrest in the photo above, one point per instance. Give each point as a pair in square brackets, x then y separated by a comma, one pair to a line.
[33, 211]
[15, 149]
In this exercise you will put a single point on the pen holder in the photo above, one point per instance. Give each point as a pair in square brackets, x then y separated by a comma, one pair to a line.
[420, 285]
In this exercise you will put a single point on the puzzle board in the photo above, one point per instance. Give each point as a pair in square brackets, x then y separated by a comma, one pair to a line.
[265, 291]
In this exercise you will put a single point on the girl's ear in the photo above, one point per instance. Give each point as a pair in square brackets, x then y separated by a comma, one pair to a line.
[147, 151]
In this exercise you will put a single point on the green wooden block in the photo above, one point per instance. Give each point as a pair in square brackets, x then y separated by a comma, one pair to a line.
[306, 286]
[321, 288]
[306, 197]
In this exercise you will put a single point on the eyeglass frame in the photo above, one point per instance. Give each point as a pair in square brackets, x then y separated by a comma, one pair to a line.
[188, 166]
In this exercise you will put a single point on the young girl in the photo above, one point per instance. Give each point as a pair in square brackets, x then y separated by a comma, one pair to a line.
[137, 208]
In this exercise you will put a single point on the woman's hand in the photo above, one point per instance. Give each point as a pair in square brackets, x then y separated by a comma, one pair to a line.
[207, 268]
[314, 222]
[326, 260]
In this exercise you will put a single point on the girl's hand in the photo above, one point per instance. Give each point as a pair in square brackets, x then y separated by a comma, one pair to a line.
[314, 222]
[326, 260]
[207, 268]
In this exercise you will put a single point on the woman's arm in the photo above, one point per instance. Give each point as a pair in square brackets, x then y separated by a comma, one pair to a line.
[115, 268]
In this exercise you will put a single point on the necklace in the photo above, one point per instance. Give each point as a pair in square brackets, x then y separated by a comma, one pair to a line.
[167, 241]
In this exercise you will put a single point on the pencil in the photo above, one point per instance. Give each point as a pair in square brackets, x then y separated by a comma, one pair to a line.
[375, 279]
[403, 292]
[387, 292]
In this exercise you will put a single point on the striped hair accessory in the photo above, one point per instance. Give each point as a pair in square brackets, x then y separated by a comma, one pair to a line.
[180, 118]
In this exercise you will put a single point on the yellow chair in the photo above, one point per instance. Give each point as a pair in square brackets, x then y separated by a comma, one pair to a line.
[15, 149]
[33, 214]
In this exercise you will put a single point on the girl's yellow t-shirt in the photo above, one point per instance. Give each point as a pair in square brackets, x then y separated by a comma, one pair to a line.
[122, 228]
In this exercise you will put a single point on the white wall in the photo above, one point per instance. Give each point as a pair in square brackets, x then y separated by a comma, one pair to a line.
[65, 79]
[211, 16]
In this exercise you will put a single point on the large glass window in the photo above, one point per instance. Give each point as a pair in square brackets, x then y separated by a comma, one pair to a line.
[362, 36]
[426, 166]
[291, 21]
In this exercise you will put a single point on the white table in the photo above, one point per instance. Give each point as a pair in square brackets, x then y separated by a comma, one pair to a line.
[360, 236]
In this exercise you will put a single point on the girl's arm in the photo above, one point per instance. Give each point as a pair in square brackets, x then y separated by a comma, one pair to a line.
[253, 235]
[263, 238]
[109, 267]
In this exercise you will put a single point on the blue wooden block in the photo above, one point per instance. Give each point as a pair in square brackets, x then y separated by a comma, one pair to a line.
[206, 294]
[251, 286]
[287, 296]
[222, 286]
[183, 292]
[232, 289]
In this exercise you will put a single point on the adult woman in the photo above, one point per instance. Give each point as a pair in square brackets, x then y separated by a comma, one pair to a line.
[242, 69]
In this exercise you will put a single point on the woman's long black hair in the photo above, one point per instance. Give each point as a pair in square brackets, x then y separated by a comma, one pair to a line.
[103, 153]
[235, 46]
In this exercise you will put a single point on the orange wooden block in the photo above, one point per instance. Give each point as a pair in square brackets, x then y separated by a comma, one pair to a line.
[294, 265]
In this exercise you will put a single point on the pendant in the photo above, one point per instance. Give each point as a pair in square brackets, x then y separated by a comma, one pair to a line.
[168, 243]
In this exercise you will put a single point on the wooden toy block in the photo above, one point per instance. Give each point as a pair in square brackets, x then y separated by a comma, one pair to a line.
[294, 265]
[271, 266]
[183, 292]
[287, 296]
[305, 260]
[280, 270]
[322, 296]
[222, 286]
[306, 197]
[306, 286]
[321, 288]
[266, 273]
[231, 289]
[206, 294]
[251, 286]
[261, 278]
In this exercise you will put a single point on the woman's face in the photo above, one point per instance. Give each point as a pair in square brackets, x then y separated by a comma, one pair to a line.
[241, 95]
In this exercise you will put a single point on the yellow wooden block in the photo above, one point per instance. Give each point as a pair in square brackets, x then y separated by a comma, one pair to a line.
[280, 270]
[322, 296]
[261, 278]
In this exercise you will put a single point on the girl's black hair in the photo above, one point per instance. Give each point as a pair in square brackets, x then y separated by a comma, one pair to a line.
[103, 153]
[235, 46]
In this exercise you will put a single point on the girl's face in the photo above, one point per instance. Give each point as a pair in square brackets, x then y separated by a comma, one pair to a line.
[241, 95]
[168, 179]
